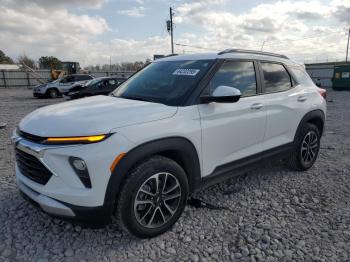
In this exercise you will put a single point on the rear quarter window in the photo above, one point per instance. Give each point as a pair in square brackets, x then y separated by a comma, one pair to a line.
[301, 76]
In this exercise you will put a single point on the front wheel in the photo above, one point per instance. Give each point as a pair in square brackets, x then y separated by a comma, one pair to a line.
[153, 197]
[306, 148]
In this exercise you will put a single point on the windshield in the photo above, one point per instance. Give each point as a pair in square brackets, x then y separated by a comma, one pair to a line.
[92, 81]
[166, 82]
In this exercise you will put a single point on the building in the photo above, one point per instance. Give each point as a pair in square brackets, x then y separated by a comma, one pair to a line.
[323, 73]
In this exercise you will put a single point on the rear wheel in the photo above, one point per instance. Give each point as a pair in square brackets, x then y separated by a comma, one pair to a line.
[306, 148]
[153, 197]
[53, 93]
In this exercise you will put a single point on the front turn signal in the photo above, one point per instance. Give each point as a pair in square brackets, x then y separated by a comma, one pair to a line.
[75, 139]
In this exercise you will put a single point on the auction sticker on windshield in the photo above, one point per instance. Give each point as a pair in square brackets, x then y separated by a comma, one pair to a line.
[186, 72]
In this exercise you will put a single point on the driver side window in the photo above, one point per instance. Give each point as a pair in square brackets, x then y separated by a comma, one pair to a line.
[237, 74]
[67, 79]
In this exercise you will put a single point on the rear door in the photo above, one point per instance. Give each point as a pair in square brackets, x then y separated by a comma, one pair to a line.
[232, 131]
[285, 101]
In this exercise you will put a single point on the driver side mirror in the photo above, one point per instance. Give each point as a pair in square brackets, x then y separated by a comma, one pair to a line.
[223, 94]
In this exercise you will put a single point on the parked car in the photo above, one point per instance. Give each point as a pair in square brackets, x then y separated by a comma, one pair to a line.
[178, 125]
[96, 86]
[58, 87]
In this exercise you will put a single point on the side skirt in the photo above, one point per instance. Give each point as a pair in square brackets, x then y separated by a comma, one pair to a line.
[238, 167]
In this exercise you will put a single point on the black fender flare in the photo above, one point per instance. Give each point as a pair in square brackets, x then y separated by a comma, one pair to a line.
[315, 114]
[184, 149]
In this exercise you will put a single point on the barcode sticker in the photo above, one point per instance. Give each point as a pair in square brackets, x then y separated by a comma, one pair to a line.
[186, 72]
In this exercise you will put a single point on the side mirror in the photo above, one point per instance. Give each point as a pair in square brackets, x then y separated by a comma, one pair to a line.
[223, 94]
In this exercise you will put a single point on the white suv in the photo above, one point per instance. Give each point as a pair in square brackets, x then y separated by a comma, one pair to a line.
[60, 86]
[181, 123]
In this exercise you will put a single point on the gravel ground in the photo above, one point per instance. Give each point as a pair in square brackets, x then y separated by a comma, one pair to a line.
[274, 214]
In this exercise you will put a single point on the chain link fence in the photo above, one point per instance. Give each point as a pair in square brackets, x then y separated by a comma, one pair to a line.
[15, 78]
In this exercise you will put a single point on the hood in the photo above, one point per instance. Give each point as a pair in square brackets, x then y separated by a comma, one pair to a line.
[92, 116]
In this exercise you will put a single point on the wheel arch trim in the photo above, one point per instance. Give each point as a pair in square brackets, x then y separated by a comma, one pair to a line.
[315, 114]
[182, 146]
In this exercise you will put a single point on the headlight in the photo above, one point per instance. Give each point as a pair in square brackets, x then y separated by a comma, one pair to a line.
[75, 139]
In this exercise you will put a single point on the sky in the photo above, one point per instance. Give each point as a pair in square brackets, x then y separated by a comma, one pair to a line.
[93, 31]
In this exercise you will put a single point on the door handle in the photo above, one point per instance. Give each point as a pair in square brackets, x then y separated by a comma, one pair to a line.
[302, 98]
[256, 106]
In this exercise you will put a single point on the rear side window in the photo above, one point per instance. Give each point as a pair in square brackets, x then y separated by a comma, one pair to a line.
[237, 74]
[276, 77]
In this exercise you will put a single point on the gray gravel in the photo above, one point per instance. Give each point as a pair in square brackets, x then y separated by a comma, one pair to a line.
[274, 214]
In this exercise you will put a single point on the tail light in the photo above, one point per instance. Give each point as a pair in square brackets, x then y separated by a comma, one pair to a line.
[322, 92]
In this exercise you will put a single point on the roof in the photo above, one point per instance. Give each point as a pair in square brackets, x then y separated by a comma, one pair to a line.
[231, 54]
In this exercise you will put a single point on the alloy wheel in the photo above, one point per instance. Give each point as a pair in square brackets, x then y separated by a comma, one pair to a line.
[309, 147]
[157, 200]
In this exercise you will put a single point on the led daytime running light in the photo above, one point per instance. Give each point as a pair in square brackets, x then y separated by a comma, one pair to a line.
[77, 139]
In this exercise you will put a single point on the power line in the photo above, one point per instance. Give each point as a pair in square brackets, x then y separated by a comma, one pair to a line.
[298, 39]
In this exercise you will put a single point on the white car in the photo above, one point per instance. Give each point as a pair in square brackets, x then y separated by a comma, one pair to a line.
[178, 125]
[60, 86]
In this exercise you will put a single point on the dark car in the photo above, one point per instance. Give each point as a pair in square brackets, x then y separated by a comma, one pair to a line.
[96, 86]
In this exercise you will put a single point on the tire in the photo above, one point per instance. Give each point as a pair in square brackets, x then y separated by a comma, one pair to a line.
[152, 217]
[53, 93]
[306, 148]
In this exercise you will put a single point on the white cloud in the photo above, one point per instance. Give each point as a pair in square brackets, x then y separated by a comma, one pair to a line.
[61, 33]
[44, 27]
[134, 12]
[51, 4]
[279, 24]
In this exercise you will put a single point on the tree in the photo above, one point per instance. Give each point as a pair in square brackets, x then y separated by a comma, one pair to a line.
[4, 59]
[24, 59]
[49, 62]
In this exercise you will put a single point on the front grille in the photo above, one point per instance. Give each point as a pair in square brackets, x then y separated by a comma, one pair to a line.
[32, 168]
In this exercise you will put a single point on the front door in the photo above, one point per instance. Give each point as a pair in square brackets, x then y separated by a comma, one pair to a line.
[232, 131]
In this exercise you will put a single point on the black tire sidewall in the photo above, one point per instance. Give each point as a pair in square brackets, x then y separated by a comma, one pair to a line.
[140, 175]
[307, 128]
[51, 91]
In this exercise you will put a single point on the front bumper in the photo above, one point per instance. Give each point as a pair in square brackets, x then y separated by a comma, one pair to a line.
[47, 204]
[91, 216]
[38, 94]
[64, 195]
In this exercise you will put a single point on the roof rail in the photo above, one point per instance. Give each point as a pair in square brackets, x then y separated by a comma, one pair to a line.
[251, 52]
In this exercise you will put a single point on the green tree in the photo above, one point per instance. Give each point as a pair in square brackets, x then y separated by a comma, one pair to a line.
[4, 59]
[49, 62]
[24, 59]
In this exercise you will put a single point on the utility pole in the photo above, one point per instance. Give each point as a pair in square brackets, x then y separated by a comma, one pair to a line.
[110, 63]
[170, 28]
[347, 47]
